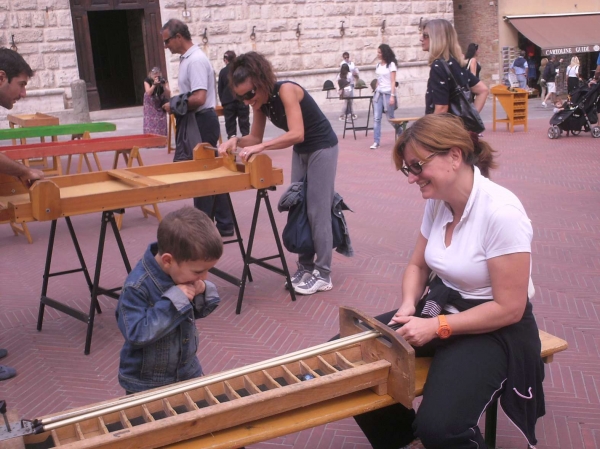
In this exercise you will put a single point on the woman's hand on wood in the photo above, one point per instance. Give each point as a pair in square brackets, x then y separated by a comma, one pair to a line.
[417, 331]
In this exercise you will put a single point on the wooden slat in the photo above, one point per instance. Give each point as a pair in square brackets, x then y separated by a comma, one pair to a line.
[134, 179]
[289, 422]
[81, 146]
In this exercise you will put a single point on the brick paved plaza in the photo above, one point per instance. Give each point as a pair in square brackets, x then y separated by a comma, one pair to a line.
[558, 182]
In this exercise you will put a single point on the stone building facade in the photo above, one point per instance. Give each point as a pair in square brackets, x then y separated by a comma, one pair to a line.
[302, 38]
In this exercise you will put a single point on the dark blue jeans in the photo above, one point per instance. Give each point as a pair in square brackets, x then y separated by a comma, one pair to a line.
[208, 124]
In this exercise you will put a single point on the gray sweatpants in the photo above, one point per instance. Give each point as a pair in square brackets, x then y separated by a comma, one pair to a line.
[320, 168]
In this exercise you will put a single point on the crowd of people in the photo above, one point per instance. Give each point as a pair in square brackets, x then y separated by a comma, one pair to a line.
[466, 290]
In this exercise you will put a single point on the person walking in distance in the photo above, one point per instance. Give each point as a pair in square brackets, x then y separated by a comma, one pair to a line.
[549, 76]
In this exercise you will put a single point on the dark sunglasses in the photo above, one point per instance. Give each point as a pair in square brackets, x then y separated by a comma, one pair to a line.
[167, 40]
[417, 167]
[247, 96]
[425, 36]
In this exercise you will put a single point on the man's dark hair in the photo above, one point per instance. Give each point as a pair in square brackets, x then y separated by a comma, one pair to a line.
[177, 27]
[189, 234]
[13, 64]
[345, 54]
[229, 55]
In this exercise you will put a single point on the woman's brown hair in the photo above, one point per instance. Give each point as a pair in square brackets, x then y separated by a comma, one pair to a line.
[440, 132]
[252, 65]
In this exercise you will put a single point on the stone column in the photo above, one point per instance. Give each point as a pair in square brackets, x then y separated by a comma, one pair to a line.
[81, 109]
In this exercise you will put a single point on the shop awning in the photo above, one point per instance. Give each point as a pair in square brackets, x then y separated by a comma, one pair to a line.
[560, 33]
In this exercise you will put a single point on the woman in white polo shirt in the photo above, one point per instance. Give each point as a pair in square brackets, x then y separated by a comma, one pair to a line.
[476, 320]
[384, 98]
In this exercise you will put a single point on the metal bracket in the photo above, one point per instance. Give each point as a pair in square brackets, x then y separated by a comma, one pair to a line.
[18, 429]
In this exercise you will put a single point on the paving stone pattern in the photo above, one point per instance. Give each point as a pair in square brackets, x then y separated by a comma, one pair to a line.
[557, 181]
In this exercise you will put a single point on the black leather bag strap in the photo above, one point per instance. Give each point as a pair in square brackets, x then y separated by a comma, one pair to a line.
[457, 87]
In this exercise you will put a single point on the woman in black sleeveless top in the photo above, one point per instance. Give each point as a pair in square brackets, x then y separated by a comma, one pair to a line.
[315, 145]
[472, 64]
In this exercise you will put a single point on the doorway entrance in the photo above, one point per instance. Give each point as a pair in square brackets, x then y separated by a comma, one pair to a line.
[117, 43]
[118, 55]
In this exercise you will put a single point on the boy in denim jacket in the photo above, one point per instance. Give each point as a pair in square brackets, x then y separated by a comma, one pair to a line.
[162, 296]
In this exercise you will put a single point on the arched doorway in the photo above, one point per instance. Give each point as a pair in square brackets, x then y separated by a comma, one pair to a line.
[117, 43]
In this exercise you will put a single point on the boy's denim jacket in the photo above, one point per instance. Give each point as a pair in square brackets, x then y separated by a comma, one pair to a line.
[157, 321]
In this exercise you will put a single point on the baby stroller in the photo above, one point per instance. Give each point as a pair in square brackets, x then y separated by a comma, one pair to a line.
[582, 113]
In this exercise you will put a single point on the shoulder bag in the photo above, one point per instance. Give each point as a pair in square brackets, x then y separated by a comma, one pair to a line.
[297, 235]
[460, 105]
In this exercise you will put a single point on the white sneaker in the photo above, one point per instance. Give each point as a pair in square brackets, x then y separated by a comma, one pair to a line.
[342, 118]
[374, 146]
[301, 275]
[354, 116]
[315, 283]
[544, 104]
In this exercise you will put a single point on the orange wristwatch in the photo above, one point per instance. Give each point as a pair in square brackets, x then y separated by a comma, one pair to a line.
[444, 330]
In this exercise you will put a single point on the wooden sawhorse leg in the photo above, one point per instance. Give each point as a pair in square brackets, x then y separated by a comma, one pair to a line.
[128, 157]
[21, 228]
[262, 194]
[93, 285]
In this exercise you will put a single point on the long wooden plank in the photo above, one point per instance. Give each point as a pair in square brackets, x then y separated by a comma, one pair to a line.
[289, 422]
[134, 179]
[56, 130]
[83, 146]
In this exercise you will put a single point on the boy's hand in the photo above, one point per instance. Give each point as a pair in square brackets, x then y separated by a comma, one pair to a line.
[199, 287]
[188, 290]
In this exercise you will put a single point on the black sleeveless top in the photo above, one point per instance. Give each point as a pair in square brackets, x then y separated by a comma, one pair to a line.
[318, 133]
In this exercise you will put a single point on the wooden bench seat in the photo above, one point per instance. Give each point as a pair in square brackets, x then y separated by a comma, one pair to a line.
[403, 121]
[340, 408]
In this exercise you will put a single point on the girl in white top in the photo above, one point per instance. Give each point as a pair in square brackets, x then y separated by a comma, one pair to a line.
[573, 74]
[384, 98]
[476, 237]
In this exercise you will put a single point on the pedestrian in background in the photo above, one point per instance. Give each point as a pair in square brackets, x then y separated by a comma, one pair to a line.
[519, 67]
[232, 108]
[541, 80]
[346, 91]
[471, 59]
[573, 74]
[384, 99]
[156, 93]
[550, 73]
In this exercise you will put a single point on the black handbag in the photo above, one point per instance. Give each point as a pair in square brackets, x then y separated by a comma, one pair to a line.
[461, 106]
[297, 235]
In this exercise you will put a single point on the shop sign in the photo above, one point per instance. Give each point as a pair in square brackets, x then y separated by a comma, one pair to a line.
[571, 50]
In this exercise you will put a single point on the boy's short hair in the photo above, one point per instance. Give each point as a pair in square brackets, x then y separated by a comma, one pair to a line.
[189, 234]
